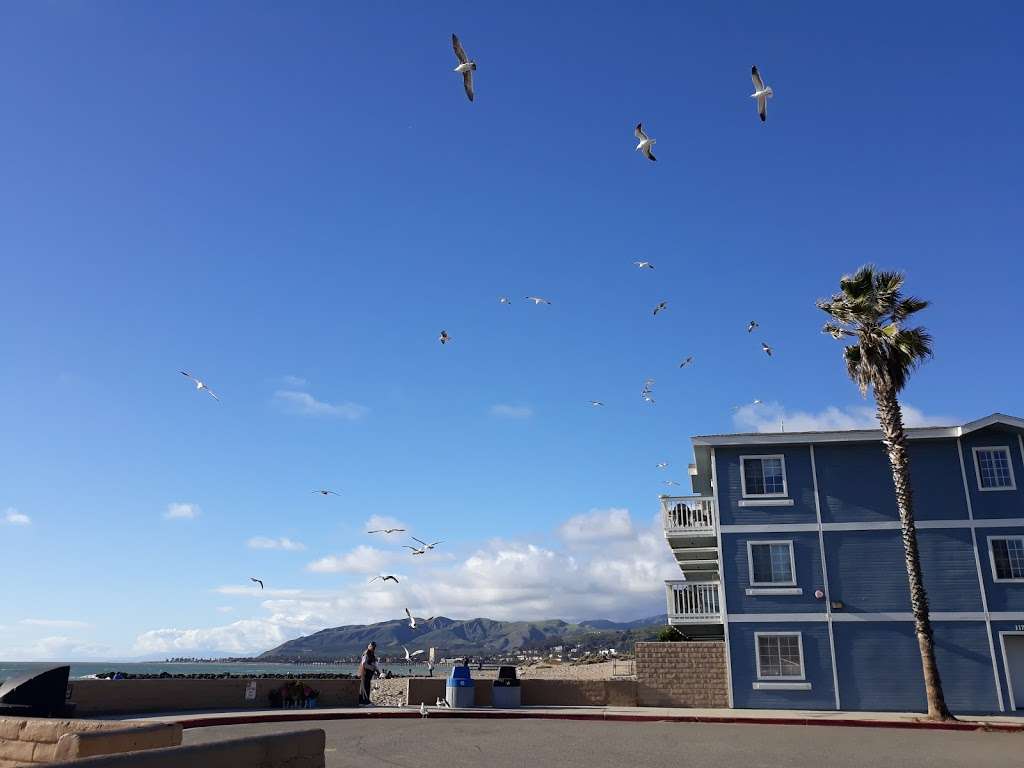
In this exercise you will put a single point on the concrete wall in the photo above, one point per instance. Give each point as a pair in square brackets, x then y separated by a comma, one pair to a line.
[535, 693]
[681, 674]
[99, 697]
[294, 749]
[31, 740]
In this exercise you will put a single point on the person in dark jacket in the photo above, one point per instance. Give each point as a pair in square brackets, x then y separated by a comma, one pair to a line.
[367, 669]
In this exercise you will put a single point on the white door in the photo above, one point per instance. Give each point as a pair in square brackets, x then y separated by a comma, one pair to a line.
[1015, 664]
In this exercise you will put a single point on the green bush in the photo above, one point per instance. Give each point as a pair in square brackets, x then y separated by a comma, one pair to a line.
[669, 635]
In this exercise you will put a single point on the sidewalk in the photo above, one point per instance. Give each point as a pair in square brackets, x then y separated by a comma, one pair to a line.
[621, 714]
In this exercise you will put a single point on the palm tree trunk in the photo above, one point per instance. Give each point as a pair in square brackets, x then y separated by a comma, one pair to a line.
[890, 416]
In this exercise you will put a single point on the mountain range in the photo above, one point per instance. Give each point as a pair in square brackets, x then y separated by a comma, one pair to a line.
[451, 637]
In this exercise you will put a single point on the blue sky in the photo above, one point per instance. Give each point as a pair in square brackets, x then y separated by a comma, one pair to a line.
[292, 201]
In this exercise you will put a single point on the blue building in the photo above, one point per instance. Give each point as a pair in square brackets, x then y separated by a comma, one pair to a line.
[790, 552]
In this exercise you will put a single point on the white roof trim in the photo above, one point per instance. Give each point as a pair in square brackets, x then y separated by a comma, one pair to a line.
[853, 435]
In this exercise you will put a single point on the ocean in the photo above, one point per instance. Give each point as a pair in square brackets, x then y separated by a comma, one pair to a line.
[80, 670]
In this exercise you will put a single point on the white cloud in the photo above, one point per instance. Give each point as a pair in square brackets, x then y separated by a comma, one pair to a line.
[362, 559]
[597, 525]
[14, 517]
[63, 623]
[303, 403]
[225, 608]
[505, 411]
[262, 542]
[181, 511]
[770, 417]
[621, 579]
[294, 382]
[56, 648]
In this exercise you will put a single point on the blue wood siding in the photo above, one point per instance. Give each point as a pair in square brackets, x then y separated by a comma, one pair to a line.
[817, 666]
[855, 482]
[994, 504]
[1002, 595]
[879, 666]
[736, 574]
[799, 484]
[950, 573]
[866, 571]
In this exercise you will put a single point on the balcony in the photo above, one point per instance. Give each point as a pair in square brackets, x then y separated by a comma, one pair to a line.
[693, 604]
[687, 516]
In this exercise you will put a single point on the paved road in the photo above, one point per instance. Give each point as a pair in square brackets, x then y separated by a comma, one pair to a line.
[568, 744]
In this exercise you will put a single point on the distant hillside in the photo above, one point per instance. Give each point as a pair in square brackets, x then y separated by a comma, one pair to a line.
[473, 637]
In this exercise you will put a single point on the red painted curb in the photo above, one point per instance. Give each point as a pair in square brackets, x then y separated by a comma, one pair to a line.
[206, 722]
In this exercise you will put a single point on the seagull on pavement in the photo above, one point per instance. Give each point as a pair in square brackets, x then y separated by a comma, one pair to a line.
[425, 545]
[387, 530]
[201, 385]
[537, 300]
[687, 361]
[662, 305]
[643, 265]
[596, 403]
[383, 578]
[766, 349]
[466, 67]
[441, 703]
[645, 142]
[761, 92]
[752, 325]
[409, 656]
[444, 338]
[326, 492]
[412, 619]
[423, 710]
[258, 581]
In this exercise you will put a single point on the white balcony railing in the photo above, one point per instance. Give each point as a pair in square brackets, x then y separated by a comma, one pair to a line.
[695, 603]
[689, 514]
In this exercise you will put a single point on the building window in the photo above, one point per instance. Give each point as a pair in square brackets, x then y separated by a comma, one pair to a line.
[771, 563]
[763, 475]
[1007, 557]
[994, 469]
[780, 655]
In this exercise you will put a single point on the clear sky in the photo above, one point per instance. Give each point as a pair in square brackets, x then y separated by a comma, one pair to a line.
[292, 200]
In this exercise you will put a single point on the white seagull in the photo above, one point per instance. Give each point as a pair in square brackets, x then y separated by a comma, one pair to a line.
[766, 349]
[761, 92]
[415, 550]
[645, 142]
[752, 325]
[596, 403]
[662, 305]
[465, 68]
[645, 393]
[444, 338]
[425, 545]
[423, 710]
[412, 619]
[387, 530]
[662, 465]
[643, 265]
[505, 300]
[409, 656]
[383, 578]
[670, 482]
[326, 492]
[537, 300]
[687, 361]
[201, 385]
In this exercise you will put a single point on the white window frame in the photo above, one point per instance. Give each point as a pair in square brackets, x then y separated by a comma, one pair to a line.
[992, 559]
[1009, 463]
[780, 678]
[750, 564]
[743, 477]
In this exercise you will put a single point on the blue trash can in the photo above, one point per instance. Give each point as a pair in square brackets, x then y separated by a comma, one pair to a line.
[459, 690]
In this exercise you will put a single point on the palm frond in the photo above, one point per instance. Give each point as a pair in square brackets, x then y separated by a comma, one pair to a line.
[906, 307]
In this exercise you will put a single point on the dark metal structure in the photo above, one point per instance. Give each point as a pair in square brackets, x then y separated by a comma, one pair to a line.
[37, 694]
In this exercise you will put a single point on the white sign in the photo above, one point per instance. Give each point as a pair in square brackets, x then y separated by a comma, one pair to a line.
[250, 691]
[1019, 628]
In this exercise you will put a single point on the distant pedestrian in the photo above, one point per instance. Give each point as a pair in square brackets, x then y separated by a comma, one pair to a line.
[367, 669]
[430, 669]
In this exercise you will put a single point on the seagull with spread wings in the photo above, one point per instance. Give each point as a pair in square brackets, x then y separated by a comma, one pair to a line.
[410, 656]
[766, 349]
[201, 386]
[387, 530]
[662, 465]
[466, 67]
[752, 325]
[643, 265]
[258, 581]
[425, 545]
[662, 306]
[326, 492]
[383, 578]
[412, 619]
[596, 404]
[761, 92]
[415, 550]
[444, 338]
[537, 300]
[687, 361]
[646, 142]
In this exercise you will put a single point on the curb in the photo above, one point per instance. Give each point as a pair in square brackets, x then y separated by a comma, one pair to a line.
[924, 725]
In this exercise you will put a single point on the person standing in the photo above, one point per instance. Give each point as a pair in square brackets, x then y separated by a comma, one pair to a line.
[367, 669]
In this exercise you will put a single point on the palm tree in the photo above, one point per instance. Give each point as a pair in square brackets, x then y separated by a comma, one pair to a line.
[871, 308]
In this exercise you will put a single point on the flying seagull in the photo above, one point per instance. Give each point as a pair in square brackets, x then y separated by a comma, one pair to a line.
[645, 393]
[767, 350]
[687, 361]
[596, 403]
[747, 405]
[505, 300]
[645, 142]
[258, 581]
[670, 482]
[752, 325]
[201, 385]
[425, 545]
[444, 338]
[662, 465]
[465, 68]
[387, 530]
[409, 656]
[326, 492]
[643, 265]
[537, 300]
[761, 92]
[415, 550]
[662, 305]
[412, 619]
[383, 578]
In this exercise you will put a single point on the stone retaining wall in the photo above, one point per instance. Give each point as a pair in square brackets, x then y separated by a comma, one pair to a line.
[294, 749]
[684, 674]
[34, 740]
[535, 693]
[105, 697]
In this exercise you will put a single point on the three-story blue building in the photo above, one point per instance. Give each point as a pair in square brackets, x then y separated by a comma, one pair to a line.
[790, 552]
